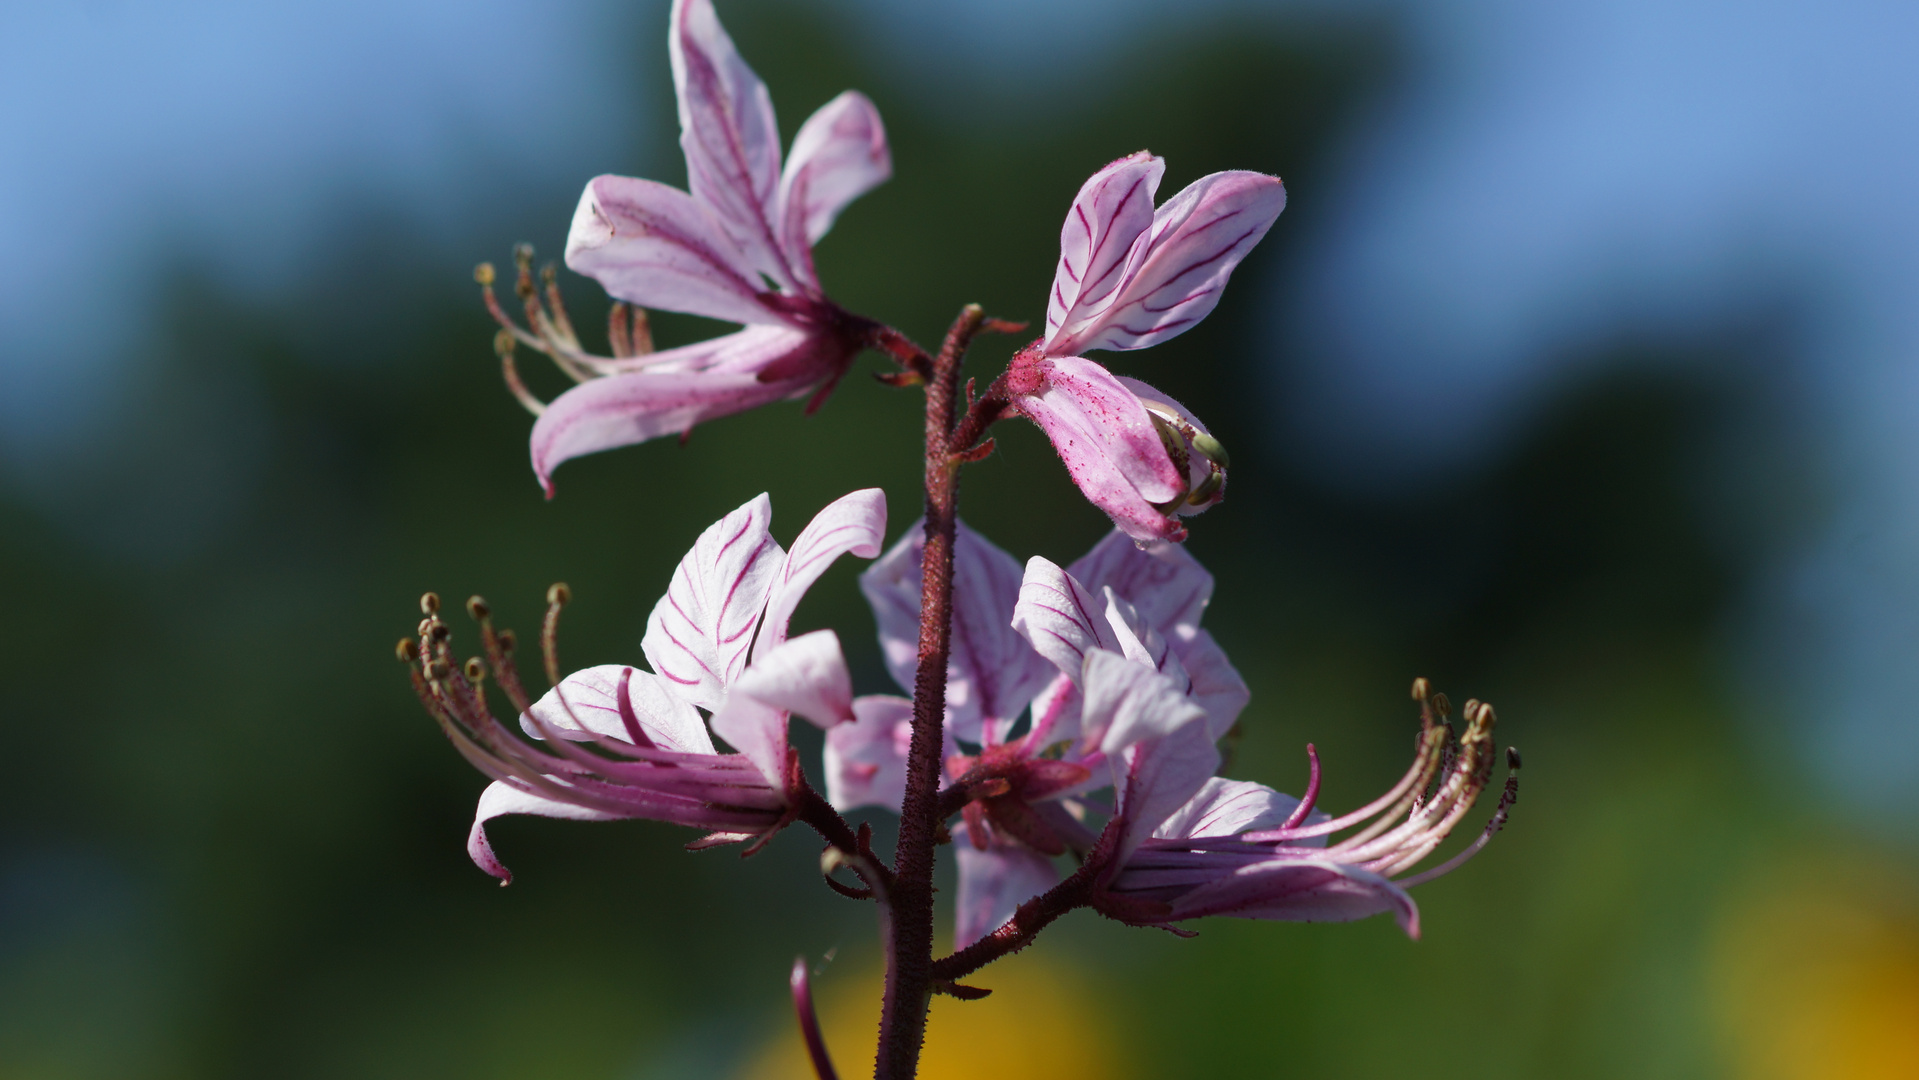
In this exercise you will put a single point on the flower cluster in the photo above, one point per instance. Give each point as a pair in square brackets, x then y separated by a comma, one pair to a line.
[1063, 730]
[1128, 696]
[624, 742]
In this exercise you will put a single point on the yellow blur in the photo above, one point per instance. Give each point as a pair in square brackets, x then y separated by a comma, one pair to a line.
[1043, 1022]
[1817, 977]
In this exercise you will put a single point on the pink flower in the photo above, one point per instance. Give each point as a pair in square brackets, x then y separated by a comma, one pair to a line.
[1140, 697]
[1242, 849]
[1130, 276]
[1019, 819]
[621, 742]
[736, 246]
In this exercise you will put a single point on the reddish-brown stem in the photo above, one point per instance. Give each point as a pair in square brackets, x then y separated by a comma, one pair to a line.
[815, 811]
[909, 982]
[1026, 923]
[993, 406]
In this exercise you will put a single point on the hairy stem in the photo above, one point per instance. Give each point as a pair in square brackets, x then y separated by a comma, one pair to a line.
[909, 938]
[1019, 931]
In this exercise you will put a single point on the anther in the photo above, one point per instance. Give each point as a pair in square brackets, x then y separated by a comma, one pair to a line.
[436, 670]
[1443, 705]
[477, 608]
[1422, 689]
[507, 640]
[1512, 757]
[504, 343]
[475, 670]
[483, 274]
[1210, 449]
[407, 650]
[429, 603]
[559, 595]
[439, 631]
[1215, 480]
[523, 255]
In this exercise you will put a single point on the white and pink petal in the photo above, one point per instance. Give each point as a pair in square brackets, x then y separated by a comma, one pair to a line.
[658, 247]
[588, 703]
[1176, 273]
[1168, 587]
[992, 672]
[698, 636]
[806, 675]
[622, 410]
[501, 798]
[1109, 445]
[865, 761]
[839, 154]
[1112, 210]
[729, 134]
[854, 523]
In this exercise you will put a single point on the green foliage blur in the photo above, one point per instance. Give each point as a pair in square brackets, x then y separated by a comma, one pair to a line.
[231, 845]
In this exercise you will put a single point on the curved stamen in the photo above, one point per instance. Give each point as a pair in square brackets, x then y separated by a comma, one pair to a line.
[1306, 801]
[1506, 800]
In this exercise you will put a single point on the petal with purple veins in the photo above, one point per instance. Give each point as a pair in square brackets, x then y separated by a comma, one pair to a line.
[1126, 702]
[1061, 618]
[1168, 587]
[587, 703]
[501, 798]
[1176, 273]
[854, 523]
[621, 410]
[1300, 890]
[658, 247]
[1112, 210]
[729, 134]
[992, 672]
[698, 634]
[839, 154]
[1224, 808]
[865, 761]
[1159, 775]
[1215, 684]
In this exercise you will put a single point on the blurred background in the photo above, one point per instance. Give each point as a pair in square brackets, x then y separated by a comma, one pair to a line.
[1577, 376]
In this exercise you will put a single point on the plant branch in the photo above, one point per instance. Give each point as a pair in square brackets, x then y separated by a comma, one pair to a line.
[909, 936]
[818, 813]
[1026, 923]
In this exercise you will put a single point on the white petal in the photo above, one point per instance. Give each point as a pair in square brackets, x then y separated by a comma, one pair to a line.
[806, 675]
[852, 523]
[658, 247]
[728, 132]
[865, 761]
[839, 154]
[698, 634]
[503, 798]
[587, 703]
